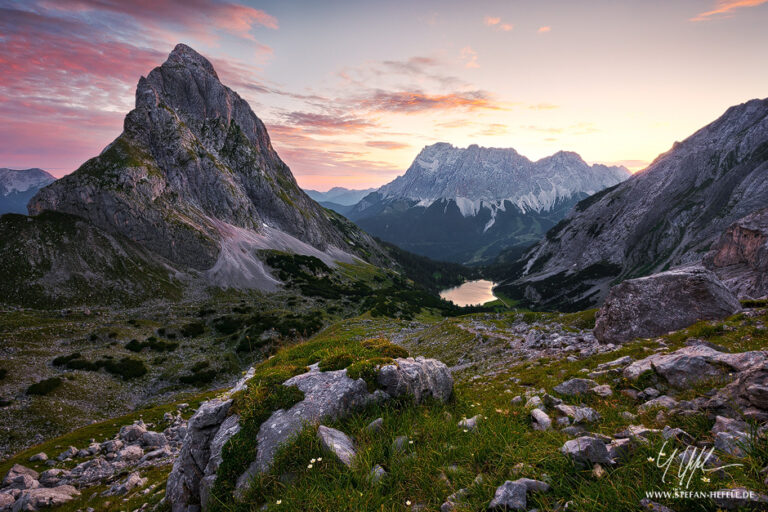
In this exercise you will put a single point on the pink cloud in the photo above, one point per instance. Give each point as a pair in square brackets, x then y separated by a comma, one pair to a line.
[324, 123]
[496, 22]
[724, 7]
[491, 21]
[544, 30]
[469, 56]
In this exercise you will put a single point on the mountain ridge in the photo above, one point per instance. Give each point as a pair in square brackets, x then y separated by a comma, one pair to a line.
[469, 204]
[17, 186]
[665, 216]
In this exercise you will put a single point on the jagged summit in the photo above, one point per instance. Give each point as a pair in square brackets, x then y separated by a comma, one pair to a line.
[497, 175]
[194, 179]
[469, 204]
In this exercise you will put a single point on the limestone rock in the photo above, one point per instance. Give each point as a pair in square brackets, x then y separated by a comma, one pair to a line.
[338, 443]
[44, 497]
[693, 364]
[509, 496]
[420, 378]
[575, 387]
[586, 450]
[663, 302]
[740, 256]
[16, 471]
[541, 421]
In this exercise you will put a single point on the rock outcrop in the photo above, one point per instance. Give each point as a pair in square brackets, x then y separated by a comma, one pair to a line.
[665, 216]
[740, 256]
[327, 396]
[694, 364]
[663, 302]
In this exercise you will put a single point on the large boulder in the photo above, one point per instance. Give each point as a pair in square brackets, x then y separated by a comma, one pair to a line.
[694, 364]
[740, 256]
[35, 499]
[327, 396]
[664, 302]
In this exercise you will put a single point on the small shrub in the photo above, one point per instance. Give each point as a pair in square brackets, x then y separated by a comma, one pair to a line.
[134, 346]
[64, 360]
[127, 367]
[193, 329]
[44, 387]
[336, 362]
[366, 370]
[3, 373]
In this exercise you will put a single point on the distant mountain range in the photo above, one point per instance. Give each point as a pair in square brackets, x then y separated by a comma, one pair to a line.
[668, 215]
[192, 190]
[339, 195]
[470, 204]
[17, 186]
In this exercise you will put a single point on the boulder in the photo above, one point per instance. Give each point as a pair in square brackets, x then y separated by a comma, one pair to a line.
[586, 450]
[740, 498]
[130, 453]
[91, 472]
[68, 453]
[660, 303]
[6, 501]
[132, 433]
[420, 378]
[694, 364]
[23, 481]
[746, 396]
[133, 481]
[52, 477]
[16, 471]
[664, 401]
[578, 414]
[40, 457]
[153, 439]
[111, 446]
[575, 387]
[41, 497]
[338, 443]
[376, 425]
[541, 421]
[509, 496]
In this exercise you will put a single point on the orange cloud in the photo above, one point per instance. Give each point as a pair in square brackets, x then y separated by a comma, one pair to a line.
[725, 7]
[544, 30]
[492, 21]
[416, 101]
[543, 106]
[386, 144]
[470, 57]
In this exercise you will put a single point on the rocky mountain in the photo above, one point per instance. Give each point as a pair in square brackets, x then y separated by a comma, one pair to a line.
[339, 195]
[194, 180]
[469, 204]
[17, 186]
[666, 216]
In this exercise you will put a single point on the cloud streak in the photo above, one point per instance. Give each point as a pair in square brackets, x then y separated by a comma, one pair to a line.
[724, 8]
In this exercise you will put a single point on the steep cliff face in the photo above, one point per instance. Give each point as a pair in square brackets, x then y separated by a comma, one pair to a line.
[668, 215]
[469, 204]
[740, 256]
[194, 174]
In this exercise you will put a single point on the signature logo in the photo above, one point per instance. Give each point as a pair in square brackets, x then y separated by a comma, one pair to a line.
[692, 460]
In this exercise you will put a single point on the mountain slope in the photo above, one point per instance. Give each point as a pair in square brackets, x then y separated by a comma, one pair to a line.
[18, 186]
[665, 216]
[469, 204]
[339, 195]
[194, 179]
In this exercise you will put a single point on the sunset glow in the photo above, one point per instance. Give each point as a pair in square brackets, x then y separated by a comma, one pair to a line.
[351, 91]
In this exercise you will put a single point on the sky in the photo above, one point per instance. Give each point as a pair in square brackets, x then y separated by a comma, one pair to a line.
[351, 91]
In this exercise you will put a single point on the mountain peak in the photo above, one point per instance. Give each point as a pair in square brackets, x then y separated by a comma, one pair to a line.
[187, 56]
